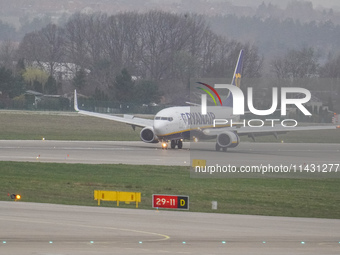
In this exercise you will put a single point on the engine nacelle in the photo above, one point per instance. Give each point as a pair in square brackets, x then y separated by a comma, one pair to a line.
[228, 140]
[148, 135]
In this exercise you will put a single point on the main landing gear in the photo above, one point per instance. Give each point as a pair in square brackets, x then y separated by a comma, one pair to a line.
[218, 148]
[178, 143]
[173, 144]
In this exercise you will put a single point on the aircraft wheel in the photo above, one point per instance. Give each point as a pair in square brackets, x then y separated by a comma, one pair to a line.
[180, 144]
[217, 147]
[173, 144]
[224, 149]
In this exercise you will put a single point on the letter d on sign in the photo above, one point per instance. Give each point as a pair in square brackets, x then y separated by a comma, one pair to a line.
[183, 202]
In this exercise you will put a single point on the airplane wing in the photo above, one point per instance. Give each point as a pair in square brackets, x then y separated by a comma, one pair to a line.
[265, 130]
[128, 119]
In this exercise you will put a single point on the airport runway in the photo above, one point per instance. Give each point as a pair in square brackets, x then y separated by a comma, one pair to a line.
[39, 229]
[137, 153]
[151, 154]
[29, 228]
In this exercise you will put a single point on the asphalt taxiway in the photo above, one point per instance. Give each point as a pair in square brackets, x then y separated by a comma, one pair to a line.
[29, 228]
[140, 153]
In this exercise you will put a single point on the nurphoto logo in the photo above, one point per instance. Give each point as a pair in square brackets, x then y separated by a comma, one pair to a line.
[238, 102]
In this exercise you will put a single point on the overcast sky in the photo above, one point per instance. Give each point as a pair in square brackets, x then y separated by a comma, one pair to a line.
[283, 3]
[326, 3]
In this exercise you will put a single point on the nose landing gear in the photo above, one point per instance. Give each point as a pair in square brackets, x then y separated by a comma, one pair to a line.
[164, 145]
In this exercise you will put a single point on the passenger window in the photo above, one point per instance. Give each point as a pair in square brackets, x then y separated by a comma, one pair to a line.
[170, 119]
[157, 118]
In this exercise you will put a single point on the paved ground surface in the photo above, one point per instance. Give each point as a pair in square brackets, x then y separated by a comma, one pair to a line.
[29, 228]
[143, 153]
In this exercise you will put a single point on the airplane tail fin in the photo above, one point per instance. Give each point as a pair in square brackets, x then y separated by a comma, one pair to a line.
[75, 101]
[236, 81]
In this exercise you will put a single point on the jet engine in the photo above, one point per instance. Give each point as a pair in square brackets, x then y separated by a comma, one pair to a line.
[148, 135]
[228, 140]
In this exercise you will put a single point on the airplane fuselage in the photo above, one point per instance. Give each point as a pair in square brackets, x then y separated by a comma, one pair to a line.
[184, 122]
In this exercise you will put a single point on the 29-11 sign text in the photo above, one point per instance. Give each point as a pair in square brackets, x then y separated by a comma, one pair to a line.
[170, 202]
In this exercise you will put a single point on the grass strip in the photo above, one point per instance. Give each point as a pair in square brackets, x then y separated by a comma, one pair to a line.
[25, 125]
[73, 184]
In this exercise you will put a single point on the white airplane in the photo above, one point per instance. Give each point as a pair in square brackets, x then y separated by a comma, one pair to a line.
[176, 124]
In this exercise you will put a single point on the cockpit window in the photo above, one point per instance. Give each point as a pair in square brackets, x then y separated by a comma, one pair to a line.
[164, 118]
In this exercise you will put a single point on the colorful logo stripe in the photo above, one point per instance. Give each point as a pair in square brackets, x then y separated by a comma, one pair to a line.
[213, 90]
[208, 92]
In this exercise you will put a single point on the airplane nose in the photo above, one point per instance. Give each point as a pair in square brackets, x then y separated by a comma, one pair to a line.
[158, 127]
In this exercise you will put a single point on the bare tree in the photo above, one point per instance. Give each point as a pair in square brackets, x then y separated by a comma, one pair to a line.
[45, 47]
[95, 29]
[76, 47]
[296, 64]
[153, 46]
[52, 40]
[253, 62]
[8, 54]
[30, 47]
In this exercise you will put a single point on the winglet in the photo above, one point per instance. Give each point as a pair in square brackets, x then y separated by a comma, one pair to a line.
[75, 101]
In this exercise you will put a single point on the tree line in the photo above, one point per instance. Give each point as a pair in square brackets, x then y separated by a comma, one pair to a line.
[154, 46]
[155, 53]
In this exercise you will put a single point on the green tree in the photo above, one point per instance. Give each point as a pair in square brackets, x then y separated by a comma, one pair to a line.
[37, 86]
[100, 95]
[20, 66]
[34, 74]
[9, 84]
[51, 86]
[123, 87]
[147, 92]
[6, 79]
[18, 87]
[79, 80]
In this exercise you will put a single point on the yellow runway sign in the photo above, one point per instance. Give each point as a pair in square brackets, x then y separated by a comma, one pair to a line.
[119, 196]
